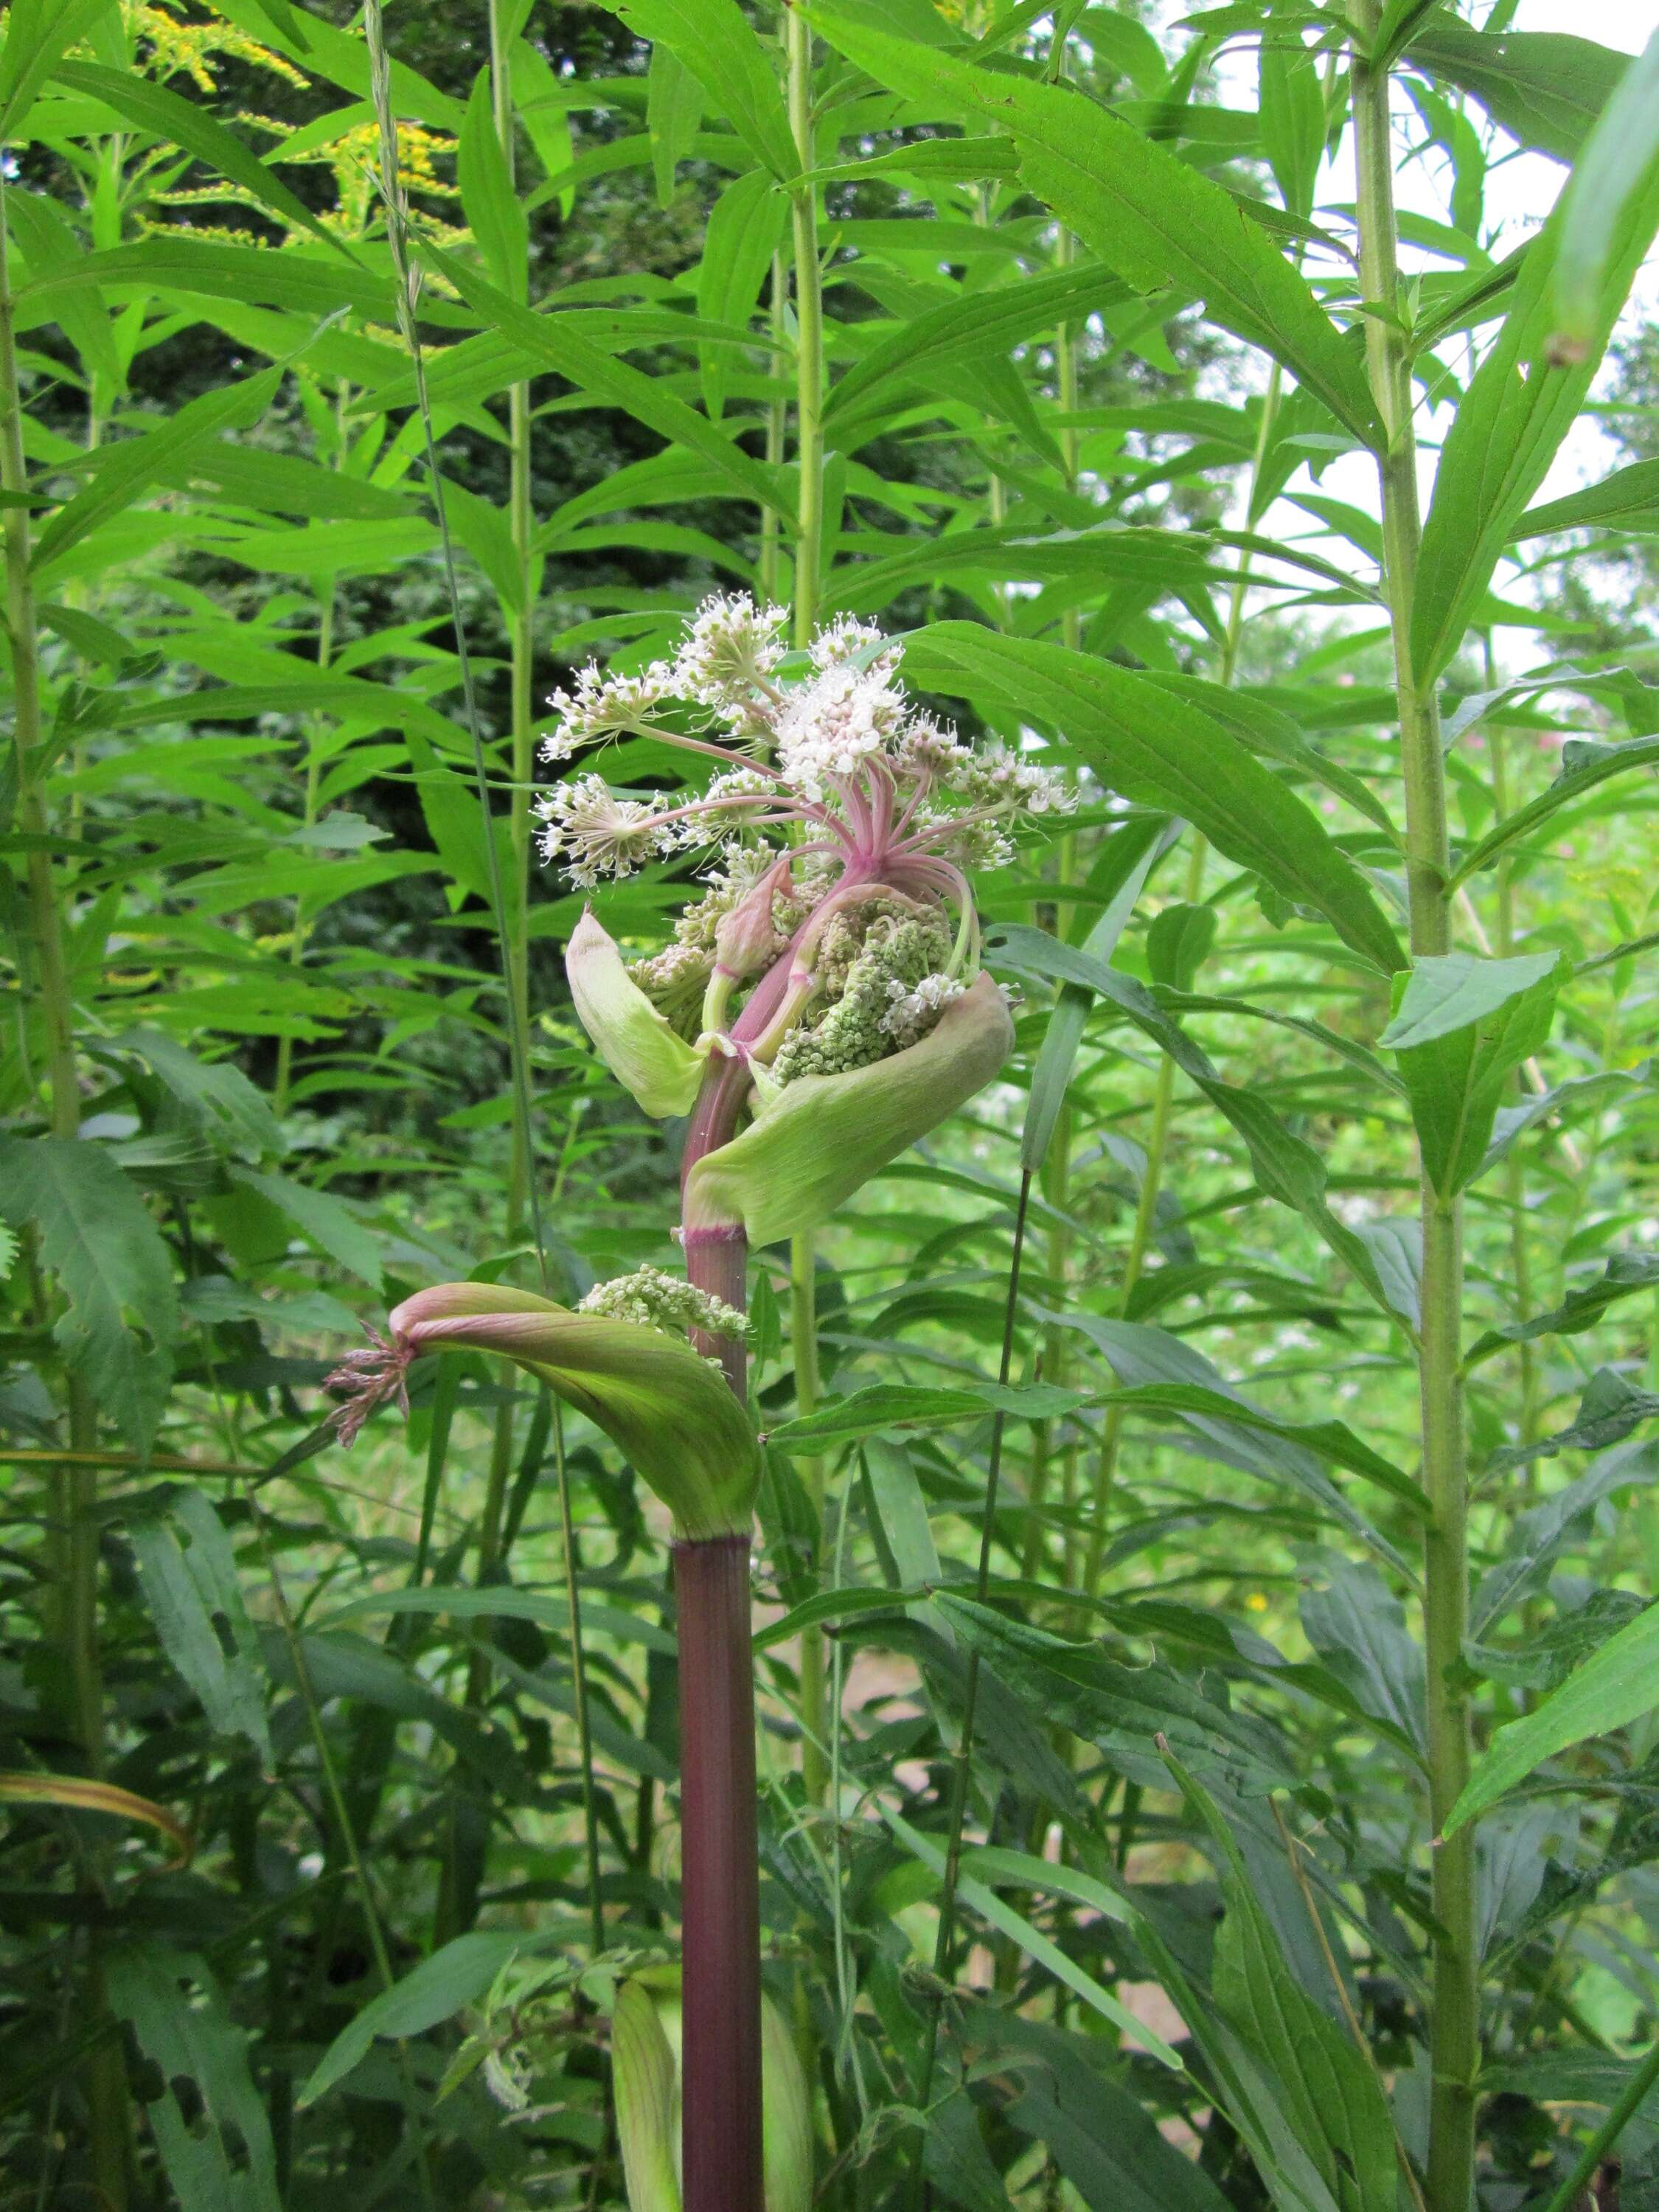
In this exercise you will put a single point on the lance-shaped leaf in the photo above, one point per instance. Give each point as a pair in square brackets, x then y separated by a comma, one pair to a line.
[822, 1137]
[645, 2046]
[646, 1054]
[666, 1408]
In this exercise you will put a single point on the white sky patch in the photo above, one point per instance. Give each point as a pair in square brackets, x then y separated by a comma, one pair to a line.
[1521, 188]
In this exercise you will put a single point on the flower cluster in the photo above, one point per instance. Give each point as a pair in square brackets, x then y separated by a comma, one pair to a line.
[668, 1303]
[836, 836]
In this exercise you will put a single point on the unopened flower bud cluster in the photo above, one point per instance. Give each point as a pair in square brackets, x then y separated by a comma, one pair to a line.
[668, 1303]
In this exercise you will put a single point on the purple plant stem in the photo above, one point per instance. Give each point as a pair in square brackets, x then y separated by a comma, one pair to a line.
[720, 1890]
[721, 2161]
[717, 1261]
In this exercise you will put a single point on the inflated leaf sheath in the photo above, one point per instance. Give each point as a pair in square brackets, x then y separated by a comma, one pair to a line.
[822, 1137]
[666, 1408]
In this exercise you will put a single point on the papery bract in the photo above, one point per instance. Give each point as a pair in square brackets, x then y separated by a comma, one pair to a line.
[648, 1056]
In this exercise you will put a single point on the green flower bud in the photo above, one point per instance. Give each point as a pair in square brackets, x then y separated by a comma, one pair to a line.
[814, 1141]
[638, 1044]
[667, 1408]
[645, 2055]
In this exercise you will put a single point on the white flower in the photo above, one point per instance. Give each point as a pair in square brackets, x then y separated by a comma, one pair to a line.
[604, 706]
[933, 753]
[1004, 779]
[599, 834]
[913, 1013]
[846, 637]
[832, 725]
[732, 647]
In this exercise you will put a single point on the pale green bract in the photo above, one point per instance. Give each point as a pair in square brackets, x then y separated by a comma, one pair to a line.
[664, 1407]
[645, 2049]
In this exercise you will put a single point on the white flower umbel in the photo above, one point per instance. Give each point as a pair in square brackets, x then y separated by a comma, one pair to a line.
[837, 836]
[599, 834]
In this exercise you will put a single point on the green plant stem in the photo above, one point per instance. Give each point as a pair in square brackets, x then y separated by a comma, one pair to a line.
[46, 924]
[961, 1765]
[513, 920]
[1572, 2193]
[1514, 1173]
[521, 630]
[816, 1729]
[579, 1685]
[1455, 2028]
[777, 428]
[1057, 1166]
[71, 1487]
[809, 333]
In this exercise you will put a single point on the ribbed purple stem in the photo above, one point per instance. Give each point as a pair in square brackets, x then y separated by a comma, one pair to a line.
[719, 1886]
[717, 1261]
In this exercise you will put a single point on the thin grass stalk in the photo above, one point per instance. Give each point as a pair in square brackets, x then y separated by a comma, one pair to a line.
[1574, 2191]
[510, 922]
[777, 428]
[1455, 2030]
[515, 922]
[518, 1023]
[71, 1486]
[809, 566]
[962, 1767]
[579, 1685]
[1157, 1138]
[1057, 1166]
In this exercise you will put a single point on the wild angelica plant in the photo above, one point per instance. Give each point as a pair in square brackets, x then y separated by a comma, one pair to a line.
[819, 1006]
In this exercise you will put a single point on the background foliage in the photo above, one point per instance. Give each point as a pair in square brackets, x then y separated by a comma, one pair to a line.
[312, 1890]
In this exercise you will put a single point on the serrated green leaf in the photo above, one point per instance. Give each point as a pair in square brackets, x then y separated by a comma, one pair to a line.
[1618, 1684]
[122, 1323]
[188, 1574]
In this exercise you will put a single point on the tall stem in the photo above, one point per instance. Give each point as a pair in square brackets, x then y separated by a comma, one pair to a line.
[72, 1488]
[1158, 1136]
[1057, 1166]
[777, 425]
[720, 1910]
[1454, 2026]
[809, 332]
